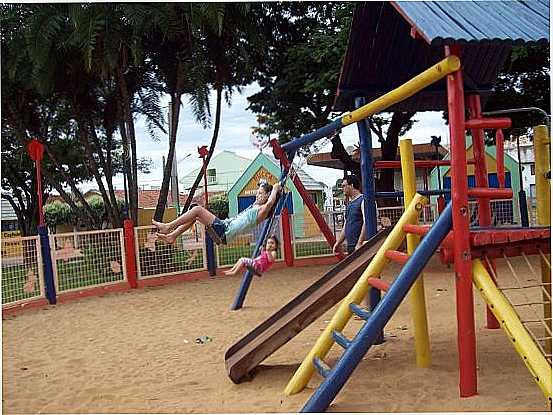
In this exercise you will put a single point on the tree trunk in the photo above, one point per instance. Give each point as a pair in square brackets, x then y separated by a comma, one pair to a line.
[111, 203]
[89, 217]
[164, 191]
[83, 138]
[211, 149]
[385, 181]
[129, 126]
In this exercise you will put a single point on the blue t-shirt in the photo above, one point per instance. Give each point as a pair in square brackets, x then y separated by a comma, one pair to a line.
[354, 222]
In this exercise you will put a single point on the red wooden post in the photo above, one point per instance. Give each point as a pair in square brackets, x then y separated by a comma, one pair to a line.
[36, 152]
[287, 238]
[466, 339]
[481, 176]
[130, 252]
[500, 157]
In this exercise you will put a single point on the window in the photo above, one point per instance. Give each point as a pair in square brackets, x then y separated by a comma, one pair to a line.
[533, 169]
[211, 176]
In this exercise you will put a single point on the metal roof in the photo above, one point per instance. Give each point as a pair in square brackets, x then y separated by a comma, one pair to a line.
[391, 42]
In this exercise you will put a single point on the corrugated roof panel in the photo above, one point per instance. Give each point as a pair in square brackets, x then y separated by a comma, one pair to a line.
[382, 54]
[474, 21]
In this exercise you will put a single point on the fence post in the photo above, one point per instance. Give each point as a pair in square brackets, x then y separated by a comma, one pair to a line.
[130, 252]
[49, 284]
[287, 238]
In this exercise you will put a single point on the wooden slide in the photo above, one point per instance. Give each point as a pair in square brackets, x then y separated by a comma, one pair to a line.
[282, 326]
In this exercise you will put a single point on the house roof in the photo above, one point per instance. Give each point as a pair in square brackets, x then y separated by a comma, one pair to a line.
[391, 42]
[424, 151]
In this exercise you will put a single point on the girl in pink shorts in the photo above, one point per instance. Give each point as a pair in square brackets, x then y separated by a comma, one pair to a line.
[260, 264]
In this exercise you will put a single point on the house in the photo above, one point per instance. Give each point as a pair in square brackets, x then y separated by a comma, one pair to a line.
[9, 219]
[223, 171]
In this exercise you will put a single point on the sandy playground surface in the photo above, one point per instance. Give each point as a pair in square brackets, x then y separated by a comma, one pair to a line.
[136, 353]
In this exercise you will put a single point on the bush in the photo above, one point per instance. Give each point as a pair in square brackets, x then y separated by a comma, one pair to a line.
[218, 205]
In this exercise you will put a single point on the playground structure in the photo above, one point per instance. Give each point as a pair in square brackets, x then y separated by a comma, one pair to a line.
[472, 251]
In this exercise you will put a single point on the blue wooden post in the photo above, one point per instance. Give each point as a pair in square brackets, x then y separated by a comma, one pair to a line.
[365, 338]
[49, 285]
[247, 278]
[367, 180]
[210, 256]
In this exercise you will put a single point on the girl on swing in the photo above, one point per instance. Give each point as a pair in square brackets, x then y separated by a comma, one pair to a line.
[262, 263]
[222, 231]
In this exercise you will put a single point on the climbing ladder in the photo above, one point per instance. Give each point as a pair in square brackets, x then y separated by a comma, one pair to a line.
[355, 349]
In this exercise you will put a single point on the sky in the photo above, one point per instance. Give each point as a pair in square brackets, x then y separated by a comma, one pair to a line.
[234, 135]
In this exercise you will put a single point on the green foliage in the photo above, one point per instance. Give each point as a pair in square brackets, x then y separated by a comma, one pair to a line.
[219, 206]
[303, 60]
[524, 81]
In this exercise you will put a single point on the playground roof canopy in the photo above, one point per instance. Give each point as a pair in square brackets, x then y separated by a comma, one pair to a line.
[391, 42]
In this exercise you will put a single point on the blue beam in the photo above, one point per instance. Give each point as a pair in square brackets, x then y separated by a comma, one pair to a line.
[340, 373]
[310, 138]
[369, 205]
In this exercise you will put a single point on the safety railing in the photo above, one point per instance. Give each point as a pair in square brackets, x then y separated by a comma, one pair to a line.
[88, 259]
[155, 258]
[22, 278]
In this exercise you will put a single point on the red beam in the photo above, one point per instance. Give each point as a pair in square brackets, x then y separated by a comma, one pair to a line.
[466, 336]
[488, 123]
[329, 236]
[490, 193]
[420, 230]
[378, 284]
[500, 157]
[396, 256]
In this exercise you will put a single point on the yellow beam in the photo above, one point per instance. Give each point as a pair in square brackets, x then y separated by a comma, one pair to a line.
[418, 303]
[408, 89]
[356, 295]
[543, 209]
[522, 341]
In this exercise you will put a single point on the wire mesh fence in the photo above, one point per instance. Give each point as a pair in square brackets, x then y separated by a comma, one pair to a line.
[155, 257]
[21, 269]
[88, 259]
[244, 245]
[308, 240]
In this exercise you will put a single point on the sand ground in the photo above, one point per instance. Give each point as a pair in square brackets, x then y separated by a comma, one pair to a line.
[136, 353]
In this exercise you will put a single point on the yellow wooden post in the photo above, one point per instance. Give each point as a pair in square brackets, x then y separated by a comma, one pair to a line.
[356, 295]
[408, 89]
[418, 303]
[501, 308]
[543, 209]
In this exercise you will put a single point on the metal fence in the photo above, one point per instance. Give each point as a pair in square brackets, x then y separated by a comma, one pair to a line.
[22, 278]
[88, 259]
[155, 258]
